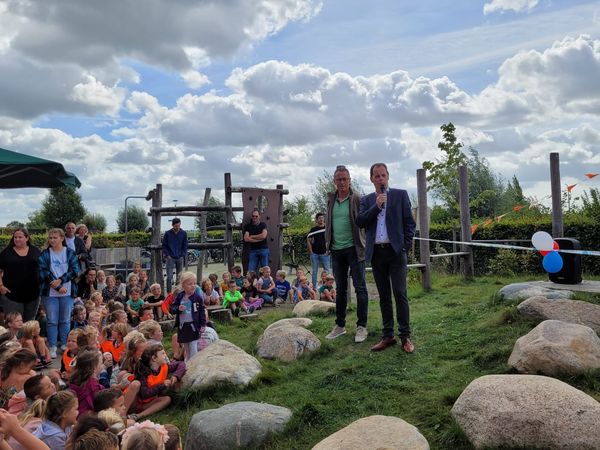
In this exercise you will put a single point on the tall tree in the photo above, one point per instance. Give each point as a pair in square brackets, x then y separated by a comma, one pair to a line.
[299, 212]
[212, 218]
[36, 221]
[62, 205]
[137, 219]
[95, 222]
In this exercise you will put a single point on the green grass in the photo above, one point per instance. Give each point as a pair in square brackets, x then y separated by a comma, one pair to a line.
[461, 331]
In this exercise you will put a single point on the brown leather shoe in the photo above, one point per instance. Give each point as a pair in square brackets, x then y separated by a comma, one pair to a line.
[407, 345]
[385, 342]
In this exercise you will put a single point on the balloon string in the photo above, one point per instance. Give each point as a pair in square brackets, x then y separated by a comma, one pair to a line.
[512, 247]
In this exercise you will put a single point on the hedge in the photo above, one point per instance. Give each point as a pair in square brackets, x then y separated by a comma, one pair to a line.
[486, 260]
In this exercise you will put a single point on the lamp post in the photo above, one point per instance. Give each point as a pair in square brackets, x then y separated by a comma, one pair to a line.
[126, 230]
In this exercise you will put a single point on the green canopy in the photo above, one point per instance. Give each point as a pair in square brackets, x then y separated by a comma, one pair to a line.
[20, 171]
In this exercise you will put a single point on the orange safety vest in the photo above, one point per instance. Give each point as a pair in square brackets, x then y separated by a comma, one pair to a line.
[160, 378]
[109, 346]
[67, 360]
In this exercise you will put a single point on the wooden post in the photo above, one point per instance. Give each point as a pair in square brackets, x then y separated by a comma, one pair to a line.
[465, 220]
[228, 253]
[280, 220]
[157, 272]
[557, 217]
[203, 235]
[423, 229]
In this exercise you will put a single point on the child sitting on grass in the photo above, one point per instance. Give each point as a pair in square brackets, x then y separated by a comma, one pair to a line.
[79, 317]
[134, 305]
[252, 301]
[304, 291]
[31, 339]
[225, 283]
[59, 417]
[14, 323]
[283, 287]
[327, 291]
[236, 275]
[233, 299]
[69, 355]
[84, 379]
[266, 286]
[155, 300]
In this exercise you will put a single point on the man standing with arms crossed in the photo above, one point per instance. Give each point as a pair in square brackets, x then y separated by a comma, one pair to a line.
[346, 241]
[174, 247]
[387, 218]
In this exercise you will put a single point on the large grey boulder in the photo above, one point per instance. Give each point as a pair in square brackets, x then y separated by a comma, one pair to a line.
[557, 348]
[527, 411]
[375, 432]
[221, 363]
[286, 341]
[295, 321]
[518, 291]
[236, 425]
[308, 307]
[573, 311]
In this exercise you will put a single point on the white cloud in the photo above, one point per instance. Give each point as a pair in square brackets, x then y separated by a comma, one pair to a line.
[94, 93]
[509, 5]
[195, 79]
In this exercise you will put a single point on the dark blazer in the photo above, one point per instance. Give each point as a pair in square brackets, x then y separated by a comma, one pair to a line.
[398, 220]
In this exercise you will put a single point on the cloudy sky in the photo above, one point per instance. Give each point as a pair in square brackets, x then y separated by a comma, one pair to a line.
[276, 91]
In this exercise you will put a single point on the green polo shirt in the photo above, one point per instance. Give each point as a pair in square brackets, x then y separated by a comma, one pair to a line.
[341, 226]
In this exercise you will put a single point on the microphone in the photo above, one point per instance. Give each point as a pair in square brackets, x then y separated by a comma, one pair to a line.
[382, 190]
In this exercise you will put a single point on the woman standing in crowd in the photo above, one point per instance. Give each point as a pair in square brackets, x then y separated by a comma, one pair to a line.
[58, 269]
[19, 284]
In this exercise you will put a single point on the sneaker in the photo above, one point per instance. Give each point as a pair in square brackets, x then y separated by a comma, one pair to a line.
[52, 352]
[361, 334]
[250, 309]
[279, 301]
[336, 332]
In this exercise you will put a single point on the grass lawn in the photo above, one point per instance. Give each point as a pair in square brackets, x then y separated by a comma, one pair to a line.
[461, 332]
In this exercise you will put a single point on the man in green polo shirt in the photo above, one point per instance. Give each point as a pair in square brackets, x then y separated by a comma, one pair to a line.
[346, 243]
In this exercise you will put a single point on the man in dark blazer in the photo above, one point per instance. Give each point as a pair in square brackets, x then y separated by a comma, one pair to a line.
[387, 218]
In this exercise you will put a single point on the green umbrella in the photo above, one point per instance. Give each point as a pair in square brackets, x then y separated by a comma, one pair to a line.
[19, 171]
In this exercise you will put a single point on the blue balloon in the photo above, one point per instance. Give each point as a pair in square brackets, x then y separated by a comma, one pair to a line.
[552, 262]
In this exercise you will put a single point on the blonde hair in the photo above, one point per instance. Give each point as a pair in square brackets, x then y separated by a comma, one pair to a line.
[187, 276]
[35, 411]
[115, 422]
[281, 273]
[152, 286]
[148, 328]
[28, 328]
[96, 294]
[142, 439]
[263, 269]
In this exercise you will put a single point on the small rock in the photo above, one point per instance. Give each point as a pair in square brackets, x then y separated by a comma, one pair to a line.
[517, 291]
[557, 348]
[307, 307]
[375, 432]
[221, 362]
[572, 311]
[236, 425]
[527, 411]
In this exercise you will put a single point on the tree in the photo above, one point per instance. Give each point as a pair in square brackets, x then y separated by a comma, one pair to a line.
[15, 224]
[36, 221]
[95, 222]
[591, 204]
[137, 219]
[299, 212]
[323, 186]
[62, 205]
[212, 218]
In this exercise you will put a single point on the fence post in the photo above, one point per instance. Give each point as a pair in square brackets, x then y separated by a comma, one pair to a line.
[424, 252]
[465, 220]
[203, 235]
[557, 217]
[157, 272]
[228, 220]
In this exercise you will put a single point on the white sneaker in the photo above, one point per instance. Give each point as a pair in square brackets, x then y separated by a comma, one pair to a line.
[361, 334]
[52, 352]
[336, 332]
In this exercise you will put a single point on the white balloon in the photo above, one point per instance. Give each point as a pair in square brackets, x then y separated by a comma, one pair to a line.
[542, 240]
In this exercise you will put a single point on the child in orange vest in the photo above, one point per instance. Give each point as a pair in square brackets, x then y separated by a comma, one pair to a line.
[156, 374]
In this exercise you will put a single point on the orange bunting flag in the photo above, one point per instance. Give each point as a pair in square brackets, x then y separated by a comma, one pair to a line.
[499, 218]
[517, 208]
[488, 222]
[474, 228]
[570, 188]
[591, 175]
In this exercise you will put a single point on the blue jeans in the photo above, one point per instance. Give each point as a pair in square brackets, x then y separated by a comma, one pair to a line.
[173, 263]
[258, 258]
[325, 261]
[58, 314]
[343, 261]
